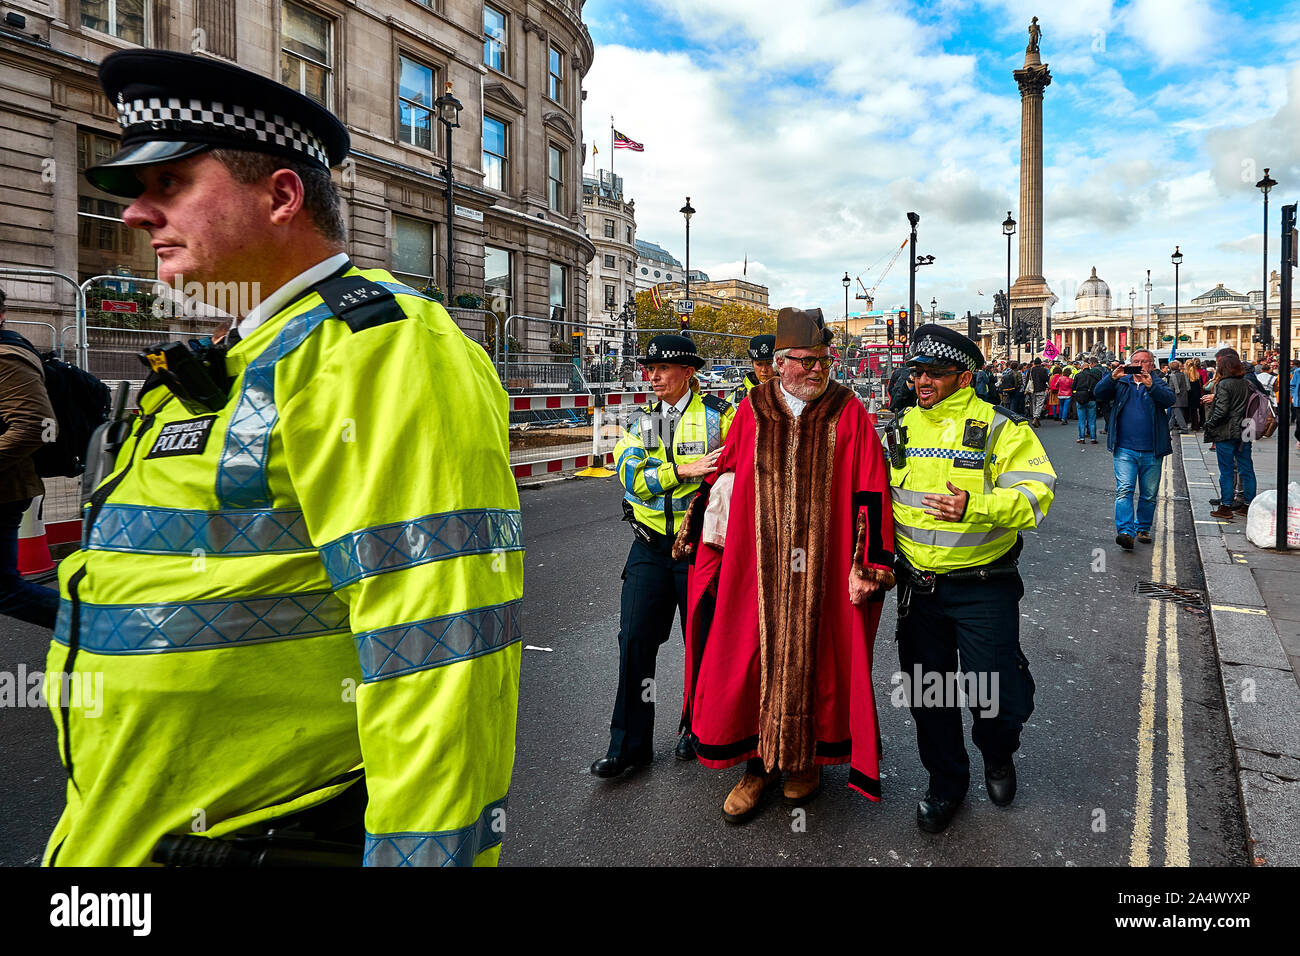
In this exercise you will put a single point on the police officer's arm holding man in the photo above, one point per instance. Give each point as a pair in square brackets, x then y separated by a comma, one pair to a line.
[301, 574]
[660, 458]
[966, 477]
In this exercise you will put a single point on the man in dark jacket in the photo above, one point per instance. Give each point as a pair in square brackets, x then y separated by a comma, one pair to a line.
[1138, 436]
[27, 421]
[902, 394]
[1085, 399]
[1036, 390]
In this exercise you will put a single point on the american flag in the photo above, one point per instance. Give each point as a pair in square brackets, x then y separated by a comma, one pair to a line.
[622, 142]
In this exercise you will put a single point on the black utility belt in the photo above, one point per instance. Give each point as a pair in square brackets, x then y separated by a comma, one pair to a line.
[928, 580]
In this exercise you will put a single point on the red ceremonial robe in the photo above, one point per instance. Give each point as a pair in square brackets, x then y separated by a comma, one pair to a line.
[731, 671]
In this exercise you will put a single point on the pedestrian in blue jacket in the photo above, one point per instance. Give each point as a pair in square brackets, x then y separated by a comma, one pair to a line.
[1137, 434]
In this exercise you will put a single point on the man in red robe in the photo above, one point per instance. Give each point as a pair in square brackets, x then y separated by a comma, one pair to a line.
[782, 618]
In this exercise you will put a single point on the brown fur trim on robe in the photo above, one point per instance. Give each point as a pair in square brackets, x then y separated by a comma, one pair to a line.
[793, 470]
[879, 575]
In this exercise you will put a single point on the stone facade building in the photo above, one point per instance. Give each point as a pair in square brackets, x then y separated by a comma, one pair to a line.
[611, 275]
[515, 65]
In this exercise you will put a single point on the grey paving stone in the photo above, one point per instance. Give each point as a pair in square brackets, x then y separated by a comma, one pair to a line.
[1232, 584]
[1272, 805]
[1268, 719]
[1248, 639]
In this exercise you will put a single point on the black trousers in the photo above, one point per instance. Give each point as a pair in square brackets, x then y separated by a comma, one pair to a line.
[654, 590]
[965, 633]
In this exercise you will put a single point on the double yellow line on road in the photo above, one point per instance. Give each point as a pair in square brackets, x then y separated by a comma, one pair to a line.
[1164, 567]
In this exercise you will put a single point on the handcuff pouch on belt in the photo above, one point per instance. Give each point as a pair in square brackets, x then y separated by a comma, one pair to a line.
[195, 372]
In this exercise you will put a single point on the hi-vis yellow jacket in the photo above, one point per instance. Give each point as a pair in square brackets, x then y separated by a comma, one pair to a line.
[321, 580]
[747, 385]
[646, 461]
[1008, 476]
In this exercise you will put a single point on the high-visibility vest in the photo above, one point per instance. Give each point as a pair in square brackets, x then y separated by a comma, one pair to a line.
[318, 581]
[747, 385]
[646, 461]
[1007, 475]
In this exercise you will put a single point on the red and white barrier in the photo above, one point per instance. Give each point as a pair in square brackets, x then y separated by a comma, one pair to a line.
[534, 468]
[33, 550]
[642, 398]
[539, 403]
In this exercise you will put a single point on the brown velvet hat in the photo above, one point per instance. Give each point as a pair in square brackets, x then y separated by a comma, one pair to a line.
[797, 329]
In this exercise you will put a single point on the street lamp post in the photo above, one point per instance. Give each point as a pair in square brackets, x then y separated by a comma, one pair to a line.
[687, 211]
[912, 218]
[844, 360]
[1147, 340]
[1177, 260]
[934, 313]
[1009, 230]
[1132, 305]
[1265, 330]
[449, 115]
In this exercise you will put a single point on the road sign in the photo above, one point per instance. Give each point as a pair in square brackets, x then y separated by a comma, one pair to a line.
[685, 306]
[118, 305]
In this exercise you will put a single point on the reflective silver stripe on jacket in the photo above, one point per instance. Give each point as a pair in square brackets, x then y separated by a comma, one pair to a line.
[1033, 503]
[203, 625]
[902, 496]
[1009, 478]
[241, 472]
[949, 539]
[405, 544]
[443, 848]
[421, 645]
[178, 531]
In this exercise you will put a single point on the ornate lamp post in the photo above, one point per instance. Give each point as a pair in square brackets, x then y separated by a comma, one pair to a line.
[449, 115]
[1008, 230]
[844, 360]
[914, 219]
[1147, 341]
[687, 211]
[1265, 329]
[1132, 299]
[1177, 260]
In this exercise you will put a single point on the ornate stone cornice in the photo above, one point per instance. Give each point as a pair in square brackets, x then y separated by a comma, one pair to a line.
[501, 94]
[1033, 80]
[558, 121]
[532, 26]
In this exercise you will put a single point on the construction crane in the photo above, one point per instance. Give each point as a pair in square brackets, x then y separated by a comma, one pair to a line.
[870, 294]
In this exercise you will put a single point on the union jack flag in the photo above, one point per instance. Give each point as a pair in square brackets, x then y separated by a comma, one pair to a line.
[622, 142]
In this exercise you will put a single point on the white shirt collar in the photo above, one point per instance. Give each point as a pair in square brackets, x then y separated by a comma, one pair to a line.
[681, 403]
[291, 290]
[796, 404]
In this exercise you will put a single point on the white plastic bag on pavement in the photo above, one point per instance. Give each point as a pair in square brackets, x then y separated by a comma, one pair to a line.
[1261, 520]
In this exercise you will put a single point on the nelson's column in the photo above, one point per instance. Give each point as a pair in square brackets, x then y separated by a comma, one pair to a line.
[1031, 299]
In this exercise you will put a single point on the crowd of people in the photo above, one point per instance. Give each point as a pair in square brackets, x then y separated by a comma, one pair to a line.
[1138, 406]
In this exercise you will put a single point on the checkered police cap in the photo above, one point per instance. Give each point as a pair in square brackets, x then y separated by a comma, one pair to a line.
[674, 349]
[762, 347]
[935, 345]
[173, 105]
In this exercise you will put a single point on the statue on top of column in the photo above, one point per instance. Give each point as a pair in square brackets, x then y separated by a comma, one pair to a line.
[1035, 31]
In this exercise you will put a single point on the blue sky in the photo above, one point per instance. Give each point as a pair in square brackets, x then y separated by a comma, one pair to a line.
[805, 130]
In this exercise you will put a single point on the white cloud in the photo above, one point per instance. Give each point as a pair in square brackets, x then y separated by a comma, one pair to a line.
[803, 140]
[1175, 31]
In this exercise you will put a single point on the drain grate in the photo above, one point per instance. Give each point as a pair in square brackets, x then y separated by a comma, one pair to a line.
[1193, 601]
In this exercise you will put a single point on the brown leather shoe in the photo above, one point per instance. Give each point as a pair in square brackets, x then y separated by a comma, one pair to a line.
[742, 803]
[800, 788]
[1222, 512]
[1241, 510]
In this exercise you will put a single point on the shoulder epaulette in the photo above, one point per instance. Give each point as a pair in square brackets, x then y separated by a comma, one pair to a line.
[1010, 415]
[715, 403]
[360, 302]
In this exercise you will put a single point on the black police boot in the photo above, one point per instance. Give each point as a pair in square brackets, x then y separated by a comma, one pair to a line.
[613, 766]
[686, 746]
[1001, 783]
[933, 814]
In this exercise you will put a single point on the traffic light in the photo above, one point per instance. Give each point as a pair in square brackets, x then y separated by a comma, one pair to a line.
[972, 327]
[889, 329]
[684, 321]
